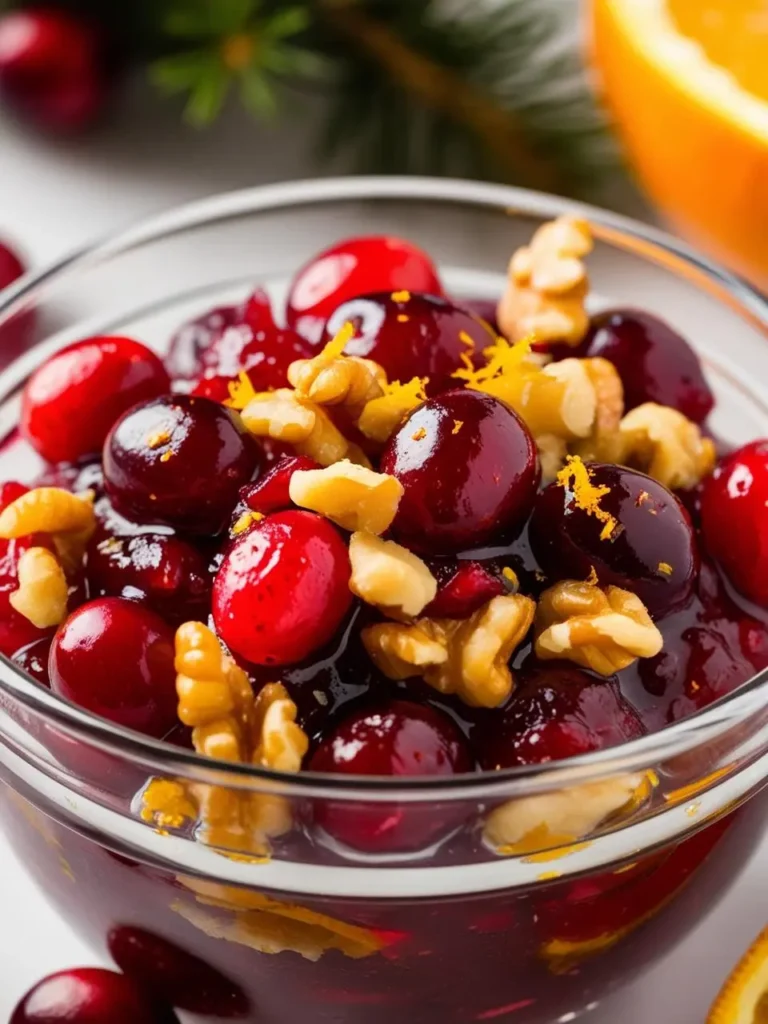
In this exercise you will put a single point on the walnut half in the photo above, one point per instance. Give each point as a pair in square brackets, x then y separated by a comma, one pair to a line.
[666, 445]
[354, 497]
[389, 576]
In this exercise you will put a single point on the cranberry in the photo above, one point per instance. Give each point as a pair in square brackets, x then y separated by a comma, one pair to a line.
[715, 663]
[651, 550]
[734, 519]
[74, 398]
[184, 358]
[52, 68]
[11, 267]
[412, 335]
[484, 309]
[470, 472]
[89, 995]
[559, 711]
[463, 587]
[16, 631]
[397, 738]
[655, 363]
[355, 267]
[10, 490]
[17, 330]
[115, 658]
[178, 460]
[283, 589]
[271, 492]
[33, 659]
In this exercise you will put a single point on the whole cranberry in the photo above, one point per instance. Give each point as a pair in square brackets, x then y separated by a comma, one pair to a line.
[650, 549]
[115, 658]
[11, 267]
[655, 363]
[484, 309]
[412, 335]
[558, 711]
[715, 663]
[89, 995]
[282, 589]
[33, 659]
[73, 399]
[52, 68]
[178, 460]
[398, 739]
[463, 587]
[185, 353]
[734, 519]
[356, 266]
[470, 472]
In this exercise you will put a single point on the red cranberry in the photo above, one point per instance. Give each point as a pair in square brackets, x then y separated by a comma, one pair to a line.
[74, 398]
[470, 472]
[52, 68]
[484, 309]
[463, 587]
[17, 330]
[398, 738]
[184, 358]
[715, 663]
[651, 550]
[271, 492]
[283, 589]
[655, 363]
[16, 631]
[412, 335]
[559, 711]
[115, 658]
[178, 460]
[10, 490]
[734, 519]
[11, 266]
[89, 995]
[355, 267]
[33, 659]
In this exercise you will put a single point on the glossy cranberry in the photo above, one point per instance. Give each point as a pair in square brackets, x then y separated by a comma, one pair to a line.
[395, 739]
[89, 995]
[71, 402]
[470, 472]
[10, 490]
[651, 550]
[484, 309]
[17, 330]
[714, 664]
[356, 266]
[463, 587]
[11, 267]
[734, 519]
[174, 975]
[184, 358]
[16, 631]
[52, 68]
[178, 460]
[412, 335]
[115, 658]
[33, 659]
[271, 492]
[558, 711]
[283, 589]
[655, 363]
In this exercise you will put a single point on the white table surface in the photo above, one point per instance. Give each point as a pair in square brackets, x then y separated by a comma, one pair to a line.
[55, 197]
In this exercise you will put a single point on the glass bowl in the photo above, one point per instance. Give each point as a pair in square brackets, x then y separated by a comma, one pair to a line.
[454, 928]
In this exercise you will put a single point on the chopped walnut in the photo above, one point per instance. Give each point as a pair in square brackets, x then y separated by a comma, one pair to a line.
[68, 518]
[605, 630]
[552, 455]
[548, 284]
[389, 576]
[468, 657]
[43, 590]
[382, 416]
[604, 441]
[279, 742]
[352, 496]
[331, 378]
[666, 445]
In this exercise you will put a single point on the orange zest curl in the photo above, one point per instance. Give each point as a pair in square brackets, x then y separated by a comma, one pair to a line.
[575, 477]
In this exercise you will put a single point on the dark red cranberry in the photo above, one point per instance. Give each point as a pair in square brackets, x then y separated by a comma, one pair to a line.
[395, 739]
[558, 711]
[412, 335]
[33, 659]
[89, 995]
[16, 631]
[714, 664]
[734, 519]
[356, 266]
[271, 492]
[174, 975]
[651, 549]
[283, 589]
[115, 658]
[11, 267]
[178, 460]
[71, 402]
[463, 587]
[484, 309]
[655, 363]
[184, 358]
[470, 472]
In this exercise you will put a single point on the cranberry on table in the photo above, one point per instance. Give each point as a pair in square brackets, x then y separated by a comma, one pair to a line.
[651, 550]
[470, 472]
[89, 995]
[282, 589]
[356, 266]
[73, 399]
[115, 658]
[463, 587]
[394, 739]
[178, 460]
[410, 335]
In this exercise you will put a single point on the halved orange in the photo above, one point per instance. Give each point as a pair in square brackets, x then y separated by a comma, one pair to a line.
[687, 84]
[744, 997]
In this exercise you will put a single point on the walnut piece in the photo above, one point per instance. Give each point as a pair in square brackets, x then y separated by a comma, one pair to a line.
[68, 518]
[548, 283]
[559, 399]
[603, 629]
[382, 416]
[331, 378]
[352, 496]
[666, 445]
[468, 657]
[604, 442]
[552, 454]
[389, 576]
[43, 590]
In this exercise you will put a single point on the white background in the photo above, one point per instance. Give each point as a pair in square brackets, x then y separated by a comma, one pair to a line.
[56, 197]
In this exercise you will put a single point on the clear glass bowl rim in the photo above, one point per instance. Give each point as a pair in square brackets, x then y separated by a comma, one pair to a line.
[651, 243]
